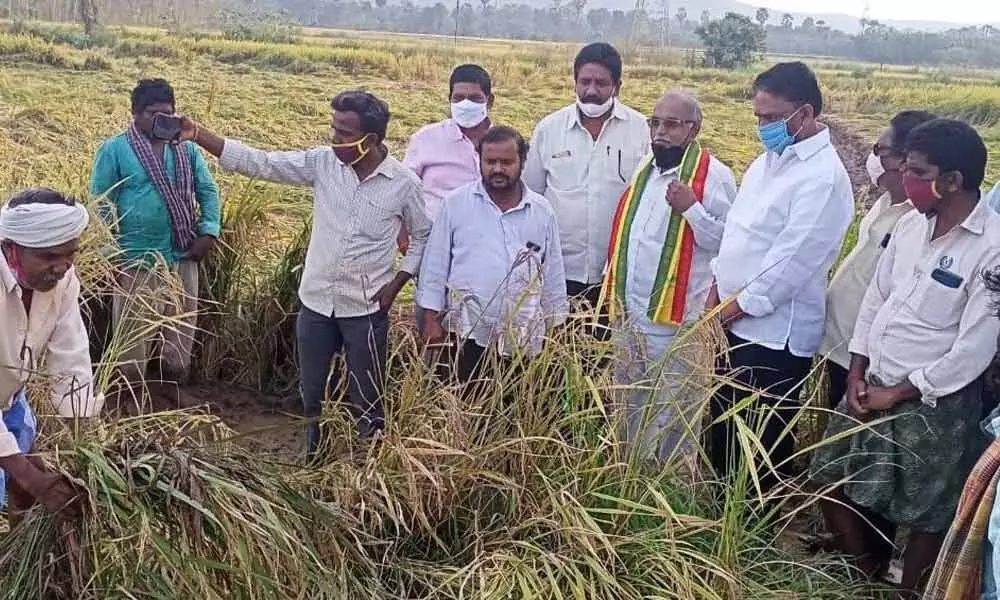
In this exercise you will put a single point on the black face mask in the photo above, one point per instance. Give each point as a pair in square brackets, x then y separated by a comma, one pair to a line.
[667, 157]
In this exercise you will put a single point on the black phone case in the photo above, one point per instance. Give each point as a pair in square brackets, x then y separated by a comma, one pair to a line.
[946, 278]
[166, 128]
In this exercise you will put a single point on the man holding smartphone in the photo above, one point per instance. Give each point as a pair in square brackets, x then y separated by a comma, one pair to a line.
[164, 207]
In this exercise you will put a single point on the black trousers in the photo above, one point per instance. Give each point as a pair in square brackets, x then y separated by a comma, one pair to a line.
[585, 297]
[837, 384]
[774, 372]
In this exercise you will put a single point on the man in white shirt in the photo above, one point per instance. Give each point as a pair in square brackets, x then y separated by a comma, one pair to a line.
[993, 198]
[362, 198]
[493, 271]
[40, 313]
[581, 158]
[676, 206]
[848, 286]
[924, 336]
[782, 235]
[444, 154]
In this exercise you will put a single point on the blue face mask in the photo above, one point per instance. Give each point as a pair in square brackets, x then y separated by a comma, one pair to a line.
[775, 136]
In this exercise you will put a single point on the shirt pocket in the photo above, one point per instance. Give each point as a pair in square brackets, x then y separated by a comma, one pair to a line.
[940, 306]
[379, 218]
[565, 171]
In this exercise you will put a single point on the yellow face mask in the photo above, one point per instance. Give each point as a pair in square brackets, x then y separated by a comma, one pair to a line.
[351, 153]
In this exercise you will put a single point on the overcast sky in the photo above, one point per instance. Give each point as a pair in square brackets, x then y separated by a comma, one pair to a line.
[957, 11]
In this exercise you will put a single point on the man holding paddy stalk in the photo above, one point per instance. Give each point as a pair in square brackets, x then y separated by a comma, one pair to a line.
[444, 154]
[667, 228]
[363, 196]
[163, 205]
[581, 158]
[40, 310]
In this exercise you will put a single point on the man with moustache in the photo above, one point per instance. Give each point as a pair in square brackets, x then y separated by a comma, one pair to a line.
[493, 271]
[667, 229]
[581, 158]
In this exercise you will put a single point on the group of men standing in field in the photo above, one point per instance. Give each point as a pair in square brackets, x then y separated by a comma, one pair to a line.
[608, 212]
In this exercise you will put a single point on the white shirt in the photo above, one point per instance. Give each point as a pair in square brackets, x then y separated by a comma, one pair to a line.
[54, 331]
[649, 232]
[478, 267]
[352, 248]
[583, 179]
[913, 327]
[993, 198]
[847, 289]
[782, 235]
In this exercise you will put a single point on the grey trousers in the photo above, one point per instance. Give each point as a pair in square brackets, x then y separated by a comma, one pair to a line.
[364, 341]
[156, 305]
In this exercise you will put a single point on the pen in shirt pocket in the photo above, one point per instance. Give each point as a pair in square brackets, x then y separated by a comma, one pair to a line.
[885, 240]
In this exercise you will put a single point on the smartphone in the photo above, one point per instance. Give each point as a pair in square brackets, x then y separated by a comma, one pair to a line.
[166, 127]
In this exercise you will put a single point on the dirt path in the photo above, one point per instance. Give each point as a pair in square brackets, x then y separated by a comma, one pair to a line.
[264, 423]
[853, 151]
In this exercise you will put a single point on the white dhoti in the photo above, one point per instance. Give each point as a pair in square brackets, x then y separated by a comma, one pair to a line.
[661, 395]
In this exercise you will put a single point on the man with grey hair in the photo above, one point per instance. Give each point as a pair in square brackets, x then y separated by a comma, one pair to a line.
[667, 228]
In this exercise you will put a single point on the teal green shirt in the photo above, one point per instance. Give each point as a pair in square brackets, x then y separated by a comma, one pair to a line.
[140, 216]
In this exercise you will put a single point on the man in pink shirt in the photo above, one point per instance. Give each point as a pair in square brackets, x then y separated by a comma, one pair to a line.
[444, 154]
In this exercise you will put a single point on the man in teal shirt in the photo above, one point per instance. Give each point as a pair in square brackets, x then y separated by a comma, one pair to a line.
[164, 207]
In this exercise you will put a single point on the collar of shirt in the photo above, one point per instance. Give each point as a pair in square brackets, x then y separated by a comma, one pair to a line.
[454, 131]
[6, 275]
[975, 223]
[617, 112]
[479, 191]
[808, 147]
[386, 168]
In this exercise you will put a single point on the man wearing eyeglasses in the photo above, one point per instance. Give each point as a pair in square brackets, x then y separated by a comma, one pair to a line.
[667, 229]
[847, 289]
[580, 159]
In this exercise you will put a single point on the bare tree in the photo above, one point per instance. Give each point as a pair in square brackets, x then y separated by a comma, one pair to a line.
[88, 15]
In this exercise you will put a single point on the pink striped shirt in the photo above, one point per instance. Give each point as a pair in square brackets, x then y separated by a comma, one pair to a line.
[444, 159]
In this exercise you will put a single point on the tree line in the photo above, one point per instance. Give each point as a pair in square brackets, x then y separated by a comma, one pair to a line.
[559, 20]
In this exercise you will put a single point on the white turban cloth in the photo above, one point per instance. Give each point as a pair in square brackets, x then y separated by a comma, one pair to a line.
[38, 225]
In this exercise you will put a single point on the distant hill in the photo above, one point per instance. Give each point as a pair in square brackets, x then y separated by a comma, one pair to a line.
[717, 8]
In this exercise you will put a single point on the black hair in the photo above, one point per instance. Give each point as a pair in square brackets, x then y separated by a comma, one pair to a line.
[149, 92]
[792, 81]
[600, 53]
[502, 133]
[471, 74]
[905, 122]
[951, 145]
[40, 195]
[372, 110]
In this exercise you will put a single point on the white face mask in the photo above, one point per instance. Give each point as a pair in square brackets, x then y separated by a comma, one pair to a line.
[595, 110]
[875, 168]
[468, 113]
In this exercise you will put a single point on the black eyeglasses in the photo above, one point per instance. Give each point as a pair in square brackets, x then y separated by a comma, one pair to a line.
[655, 123]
